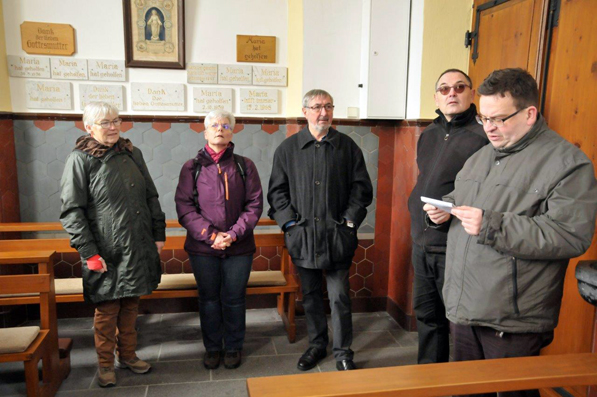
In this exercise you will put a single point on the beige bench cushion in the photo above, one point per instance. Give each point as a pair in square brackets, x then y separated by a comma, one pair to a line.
[17, 339]
[187, 280]
[68, 286]
[266, 278]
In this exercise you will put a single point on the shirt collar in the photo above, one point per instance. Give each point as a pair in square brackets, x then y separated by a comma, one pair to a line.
[305, 137]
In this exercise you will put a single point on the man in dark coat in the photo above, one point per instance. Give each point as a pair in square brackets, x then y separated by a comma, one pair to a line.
[318, 192]
[442, 149]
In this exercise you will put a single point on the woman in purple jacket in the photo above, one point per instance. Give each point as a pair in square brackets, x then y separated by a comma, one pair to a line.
[219, 201]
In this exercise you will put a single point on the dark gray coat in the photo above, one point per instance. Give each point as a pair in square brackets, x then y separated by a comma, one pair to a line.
[110, 207]
[319, 185]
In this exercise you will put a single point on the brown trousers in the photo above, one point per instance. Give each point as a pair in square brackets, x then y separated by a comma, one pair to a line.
[114, 325]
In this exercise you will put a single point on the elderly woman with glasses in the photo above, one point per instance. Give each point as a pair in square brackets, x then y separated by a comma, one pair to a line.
[219, 201]
[111, 210]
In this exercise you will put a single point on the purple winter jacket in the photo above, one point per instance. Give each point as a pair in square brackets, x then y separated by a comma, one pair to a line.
[238, 215]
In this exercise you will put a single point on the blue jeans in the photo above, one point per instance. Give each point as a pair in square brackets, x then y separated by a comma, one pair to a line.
[222, 285]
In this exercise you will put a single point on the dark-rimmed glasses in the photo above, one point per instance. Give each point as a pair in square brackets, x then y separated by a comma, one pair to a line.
[106, 124]
[458, 88]
[317, 108]
[494, 121]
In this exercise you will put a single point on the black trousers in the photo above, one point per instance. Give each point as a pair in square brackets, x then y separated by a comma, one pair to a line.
[478, 343]
[432, 325]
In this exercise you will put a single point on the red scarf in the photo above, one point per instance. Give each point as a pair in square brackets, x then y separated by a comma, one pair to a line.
[215, 156]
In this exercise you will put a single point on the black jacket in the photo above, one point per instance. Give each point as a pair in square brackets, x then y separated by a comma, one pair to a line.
[442, 150]
[319, 185]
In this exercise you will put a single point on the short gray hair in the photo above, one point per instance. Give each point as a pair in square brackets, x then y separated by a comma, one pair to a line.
[96, 111]
[219, 114]
[315, 93]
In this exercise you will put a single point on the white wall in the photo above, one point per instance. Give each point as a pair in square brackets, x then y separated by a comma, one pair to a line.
[211, 29]
[332, 50]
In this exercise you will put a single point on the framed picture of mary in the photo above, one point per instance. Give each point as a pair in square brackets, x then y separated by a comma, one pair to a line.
[154, 33]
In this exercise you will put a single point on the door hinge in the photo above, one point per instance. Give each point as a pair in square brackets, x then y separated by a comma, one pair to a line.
[469, 37]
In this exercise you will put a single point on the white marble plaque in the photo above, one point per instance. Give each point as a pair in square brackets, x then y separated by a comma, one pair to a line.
[202, 73]
[258, 100]
[235, 74]
[207, 99]
[275, 76]
[113, 94]
[69, 69]
[19, 66]
[49, 95]
[106, 70]
[157, 96]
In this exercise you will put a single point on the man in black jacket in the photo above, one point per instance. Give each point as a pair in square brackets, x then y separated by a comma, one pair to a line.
[442, 150]
[319, 191]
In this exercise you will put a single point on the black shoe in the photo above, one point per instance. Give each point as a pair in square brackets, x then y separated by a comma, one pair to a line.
[211, 360]
[311, 358]
[232, 359]
[345, 365]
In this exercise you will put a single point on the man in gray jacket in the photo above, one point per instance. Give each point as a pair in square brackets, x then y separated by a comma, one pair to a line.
[526, 204]
[319, 191]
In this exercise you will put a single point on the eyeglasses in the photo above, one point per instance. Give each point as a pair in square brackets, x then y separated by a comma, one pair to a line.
[494, 121]
[215, 126]
[458, 88]
[106, 124]
[317, 108]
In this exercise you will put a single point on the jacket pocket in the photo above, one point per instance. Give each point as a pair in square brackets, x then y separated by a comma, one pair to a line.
[295, 240]
[515, 286]
[344, 242]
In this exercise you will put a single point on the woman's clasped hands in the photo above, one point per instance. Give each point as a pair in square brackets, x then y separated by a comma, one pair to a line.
[222, 241]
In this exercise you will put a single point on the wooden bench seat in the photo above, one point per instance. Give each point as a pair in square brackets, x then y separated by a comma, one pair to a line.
[432, 380]
[278, 282]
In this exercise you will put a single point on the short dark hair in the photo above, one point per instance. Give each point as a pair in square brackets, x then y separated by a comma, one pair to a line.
[470, 82]
[517, 82]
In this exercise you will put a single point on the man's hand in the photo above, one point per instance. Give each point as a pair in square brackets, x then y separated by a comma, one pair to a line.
[160, 246]
[436, 215]
[222, 241]
[470, 217]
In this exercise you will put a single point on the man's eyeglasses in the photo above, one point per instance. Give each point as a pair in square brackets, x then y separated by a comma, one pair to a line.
[317, 108]
[458, 88]
[106, 124]
[494, 121]
[215, 126]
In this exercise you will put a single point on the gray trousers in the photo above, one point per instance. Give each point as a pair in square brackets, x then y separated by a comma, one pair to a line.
[338, 292]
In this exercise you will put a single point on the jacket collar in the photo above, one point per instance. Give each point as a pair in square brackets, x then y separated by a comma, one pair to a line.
[461, 119]
[537, 129]
[305, 137]
[87, 144]
[205, 158]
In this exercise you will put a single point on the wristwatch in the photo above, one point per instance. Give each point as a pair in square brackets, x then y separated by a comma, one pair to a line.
[350, 224]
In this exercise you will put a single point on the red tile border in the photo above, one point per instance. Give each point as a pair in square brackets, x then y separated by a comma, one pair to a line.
[270, 128]
[160, 127]
[44, 125]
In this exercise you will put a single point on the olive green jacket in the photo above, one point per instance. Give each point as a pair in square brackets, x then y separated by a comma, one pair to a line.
[110, 207]
[539, 199]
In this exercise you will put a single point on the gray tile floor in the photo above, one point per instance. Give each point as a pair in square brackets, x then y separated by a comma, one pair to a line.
[172, 344]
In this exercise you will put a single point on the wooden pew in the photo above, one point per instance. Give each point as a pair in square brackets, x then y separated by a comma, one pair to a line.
[281, 283]
[433, 380]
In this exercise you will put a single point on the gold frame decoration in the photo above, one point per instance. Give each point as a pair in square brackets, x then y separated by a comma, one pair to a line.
[154, 33]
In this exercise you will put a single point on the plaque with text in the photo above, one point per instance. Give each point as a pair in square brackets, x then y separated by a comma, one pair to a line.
[157, 96]
[256, 49]
[113, 94]
[268, 75]
[49, 95]
[106, 70]
[258, 100]
[19, 66]
[235, 74]
[207, 99]
[69, 69]
[202, 73]
[47, 38]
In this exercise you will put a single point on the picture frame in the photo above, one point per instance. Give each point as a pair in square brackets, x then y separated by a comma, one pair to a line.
[154, 33]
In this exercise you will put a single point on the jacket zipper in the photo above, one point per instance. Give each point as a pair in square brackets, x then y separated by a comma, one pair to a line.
[225, 180]
[515, 286]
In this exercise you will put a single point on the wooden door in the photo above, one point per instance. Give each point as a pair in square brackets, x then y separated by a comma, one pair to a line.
[507, 34]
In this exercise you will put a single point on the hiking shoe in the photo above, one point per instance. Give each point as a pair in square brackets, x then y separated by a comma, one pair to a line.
[106, 377]
[211, 360]
[136, 365]
[232, 359]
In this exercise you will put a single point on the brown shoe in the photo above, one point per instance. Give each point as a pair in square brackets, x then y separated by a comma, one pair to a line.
[232, 359]
[136, 365]
[211, 360]
[106, 377]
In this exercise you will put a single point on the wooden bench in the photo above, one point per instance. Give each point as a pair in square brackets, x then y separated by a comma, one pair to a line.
[281, 283]
[432, 380]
